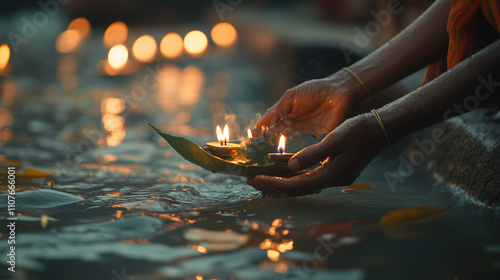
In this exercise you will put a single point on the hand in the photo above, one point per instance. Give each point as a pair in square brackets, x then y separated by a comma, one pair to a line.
[316, 106]
[344, 153]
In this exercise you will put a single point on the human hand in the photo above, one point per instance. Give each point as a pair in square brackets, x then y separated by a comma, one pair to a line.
[343, 154]
[316, 106]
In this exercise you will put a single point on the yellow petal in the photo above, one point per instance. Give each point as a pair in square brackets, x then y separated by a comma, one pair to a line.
[33, 173]
[412, 213]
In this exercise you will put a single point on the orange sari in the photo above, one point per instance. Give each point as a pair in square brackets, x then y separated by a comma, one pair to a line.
[472, 25]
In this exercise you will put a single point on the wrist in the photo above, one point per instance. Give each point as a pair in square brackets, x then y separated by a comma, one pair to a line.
[354, 88]
[375, 131]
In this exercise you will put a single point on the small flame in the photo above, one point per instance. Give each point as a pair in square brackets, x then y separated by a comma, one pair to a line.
[195, 42]
[249, 132]
[281, 146]
[4, 56]
[117, 56]
[226, 134]
[220, 136]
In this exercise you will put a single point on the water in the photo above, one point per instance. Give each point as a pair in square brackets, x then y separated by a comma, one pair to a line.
[123, 205]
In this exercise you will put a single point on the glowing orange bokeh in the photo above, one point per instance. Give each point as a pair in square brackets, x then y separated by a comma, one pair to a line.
[224, 34]
[68, 41]
[115, 34]
[144, 48]
[195, 42]
[4, 56]
[117, 56]
[273, 255]
[82, 25]
[171, 45]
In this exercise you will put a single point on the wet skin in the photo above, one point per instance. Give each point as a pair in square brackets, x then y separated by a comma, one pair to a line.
[322, 106]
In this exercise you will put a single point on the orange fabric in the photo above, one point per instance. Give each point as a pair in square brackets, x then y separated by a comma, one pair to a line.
[472, 24]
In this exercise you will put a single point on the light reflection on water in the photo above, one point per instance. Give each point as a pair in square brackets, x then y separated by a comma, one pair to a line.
[125, 199]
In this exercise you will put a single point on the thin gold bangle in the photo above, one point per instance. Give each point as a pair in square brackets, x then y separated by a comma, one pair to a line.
[379, 120]
[360, 82]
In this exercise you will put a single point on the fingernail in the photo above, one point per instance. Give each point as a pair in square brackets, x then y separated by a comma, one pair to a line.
[293, 164]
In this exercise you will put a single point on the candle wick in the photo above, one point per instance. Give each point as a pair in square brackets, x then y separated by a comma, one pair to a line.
[281, 151]
[225, 142]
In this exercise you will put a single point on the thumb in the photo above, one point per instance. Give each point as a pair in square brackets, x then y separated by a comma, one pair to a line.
[311, 155]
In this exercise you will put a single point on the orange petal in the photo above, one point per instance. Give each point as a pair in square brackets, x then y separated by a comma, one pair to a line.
[33, 173]
[412, 213]
[360, 186]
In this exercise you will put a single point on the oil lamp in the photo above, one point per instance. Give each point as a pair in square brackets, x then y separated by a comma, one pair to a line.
[223, 147]
[281, 157]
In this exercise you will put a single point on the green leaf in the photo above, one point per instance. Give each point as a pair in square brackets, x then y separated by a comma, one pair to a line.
[247, 162]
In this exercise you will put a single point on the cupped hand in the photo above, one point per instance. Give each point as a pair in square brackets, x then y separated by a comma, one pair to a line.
[343, 154]
[316, 106]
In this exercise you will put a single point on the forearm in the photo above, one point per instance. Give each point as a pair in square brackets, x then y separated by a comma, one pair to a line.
[472, 83]
[421, 43]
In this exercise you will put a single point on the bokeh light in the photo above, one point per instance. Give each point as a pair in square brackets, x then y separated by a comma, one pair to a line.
[82, 25]
[195, 42]
[117, 56]
[171, 45]
[4, 56]
[68, 41]
[224, 34]
[144, 48]
[115, 34]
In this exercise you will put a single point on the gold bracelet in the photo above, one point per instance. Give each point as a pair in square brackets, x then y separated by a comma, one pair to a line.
[360, 82]
[379, 120]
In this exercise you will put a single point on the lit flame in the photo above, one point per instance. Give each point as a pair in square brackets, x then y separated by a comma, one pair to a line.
[116, 34]
[82, 26]
[171, 45]
[117, 56]
[195, 42]
[68, 41]
[226, 134]
[249, 132]
[144, 48]
[281, 145]
[220, 136]
[224, 34]
[4, 56]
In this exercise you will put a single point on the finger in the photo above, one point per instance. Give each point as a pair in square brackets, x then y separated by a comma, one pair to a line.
[277, 111]
[307, 183]
[312, 154]
[262, 187]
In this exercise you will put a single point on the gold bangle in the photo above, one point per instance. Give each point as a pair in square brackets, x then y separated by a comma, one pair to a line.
[379, 120]
[360, 82]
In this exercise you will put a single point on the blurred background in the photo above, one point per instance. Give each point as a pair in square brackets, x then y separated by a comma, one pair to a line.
[161, 57]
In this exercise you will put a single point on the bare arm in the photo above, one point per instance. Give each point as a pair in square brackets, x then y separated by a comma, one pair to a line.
[347, 150]
[472, 83]
[421, 43]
